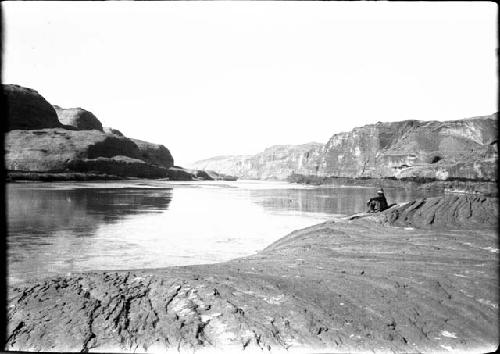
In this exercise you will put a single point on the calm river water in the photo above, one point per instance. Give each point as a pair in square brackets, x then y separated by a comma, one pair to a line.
[59, 228]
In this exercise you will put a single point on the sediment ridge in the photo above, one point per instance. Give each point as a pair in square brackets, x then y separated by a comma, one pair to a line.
[376, 282]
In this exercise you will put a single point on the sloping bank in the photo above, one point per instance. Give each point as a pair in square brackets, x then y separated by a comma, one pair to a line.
[340, 286]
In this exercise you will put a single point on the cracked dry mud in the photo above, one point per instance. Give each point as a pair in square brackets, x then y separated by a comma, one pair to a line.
[340, 286]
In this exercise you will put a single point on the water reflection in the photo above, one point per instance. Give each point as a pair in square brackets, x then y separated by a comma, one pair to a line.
[41, 211]
[55, 228]
[344, 201]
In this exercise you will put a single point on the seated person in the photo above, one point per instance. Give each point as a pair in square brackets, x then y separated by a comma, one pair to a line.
[378, 203]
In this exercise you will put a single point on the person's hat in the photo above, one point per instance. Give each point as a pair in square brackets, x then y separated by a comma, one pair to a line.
[380, 191]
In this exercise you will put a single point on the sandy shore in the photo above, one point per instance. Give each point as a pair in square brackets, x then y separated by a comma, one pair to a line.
[351, 285]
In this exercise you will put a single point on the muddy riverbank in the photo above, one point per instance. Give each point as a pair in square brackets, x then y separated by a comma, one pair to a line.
[348, 285]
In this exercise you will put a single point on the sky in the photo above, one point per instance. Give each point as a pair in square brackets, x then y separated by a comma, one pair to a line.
[224, 78]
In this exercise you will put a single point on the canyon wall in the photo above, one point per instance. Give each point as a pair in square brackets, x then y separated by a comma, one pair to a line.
[275, 162]
[465, 149]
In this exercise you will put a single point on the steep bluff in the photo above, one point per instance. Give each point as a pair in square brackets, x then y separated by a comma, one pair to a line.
[276, 162]
[154, 153]
[461, 148]
[50, 143]
[61, 150]
[45, 139]
[465, 148]
[27, 109]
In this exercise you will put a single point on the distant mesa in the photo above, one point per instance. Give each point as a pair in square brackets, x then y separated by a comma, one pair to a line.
[27, 109]
[78, 118]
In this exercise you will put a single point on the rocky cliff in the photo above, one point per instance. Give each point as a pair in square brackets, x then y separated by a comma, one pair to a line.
[154, 153]
[51, 143]
[276, 162]
[46, 139]
[464, 149]
[27, 109]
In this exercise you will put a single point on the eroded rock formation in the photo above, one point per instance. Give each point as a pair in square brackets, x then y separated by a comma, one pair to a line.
[276, 162]
[53, 150]
[464, 148]
[27, 109]
[118, 165]
[154, 153]
[109, 130]
[452, 211]
[78, 118]
[44, 141]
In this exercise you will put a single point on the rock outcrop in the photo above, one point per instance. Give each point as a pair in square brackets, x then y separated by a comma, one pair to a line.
[462, 148]
[340, 286]
[53, 150]
[45, 140]
[452, 211]
[466, 149]
[154, 153]
[121, 166]
[27, 109]
[90, 151]
[109, 130]
[78, 118]
[177, 173]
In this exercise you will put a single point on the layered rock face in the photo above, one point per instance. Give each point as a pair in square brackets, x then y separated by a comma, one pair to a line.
[236, 165]
[61, 150]
[44, 139]
[276, 162]
[78, 118]
[465, 149]
[119, 165]
[452, 211]
[27, 109]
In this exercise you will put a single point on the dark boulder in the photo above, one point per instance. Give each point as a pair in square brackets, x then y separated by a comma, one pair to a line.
[154, 153]
[176, 173]
[27, 109]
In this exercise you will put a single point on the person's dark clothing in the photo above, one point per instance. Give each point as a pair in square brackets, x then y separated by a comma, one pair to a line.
[378, 203]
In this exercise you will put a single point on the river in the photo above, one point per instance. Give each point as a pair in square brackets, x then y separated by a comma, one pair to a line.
[59, 228]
